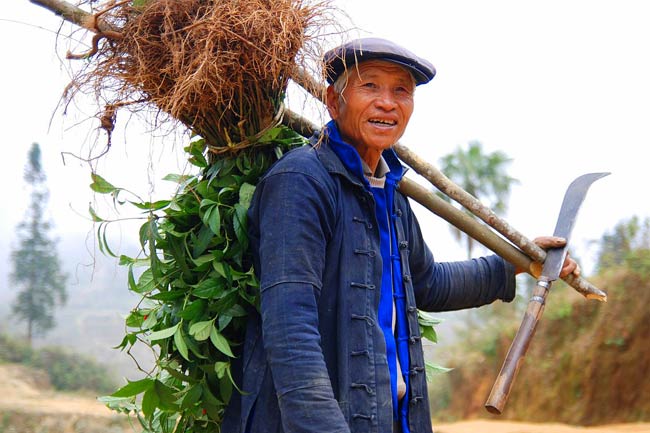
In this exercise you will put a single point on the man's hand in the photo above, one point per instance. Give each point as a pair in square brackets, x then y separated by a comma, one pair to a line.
[548, 242]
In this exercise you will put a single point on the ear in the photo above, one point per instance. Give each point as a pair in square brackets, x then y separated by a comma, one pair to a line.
[332, 101]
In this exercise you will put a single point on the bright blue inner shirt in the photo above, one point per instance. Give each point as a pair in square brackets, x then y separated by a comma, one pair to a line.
[392, 289]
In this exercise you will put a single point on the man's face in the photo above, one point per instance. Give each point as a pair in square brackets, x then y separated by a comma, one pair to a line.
[374, 108]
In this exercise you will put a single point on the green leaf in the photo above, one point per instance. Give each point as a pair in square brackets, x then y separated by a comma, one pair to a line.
[202, 241]
[119, 404]
[94, 215]
[221, 368]
[128, 340]
[133, 388]
[163, 333]
[150, 321]
[167, 296]
[427, 319]
[212, 218]
[209, 288]
[209, 397]
[191, 397]
[200, 261]
[181, 346]
[130, 261]
[432, 369]
[150, 402]
[151, 206]
[131, 280]
[201, 330]
[192, 310]
[196, 149]
[195, 349]
[166, 397]
[246, 194]
[100, 185]
[174, 371]
[429, 333]
[223, 320]
[220, 342]
[178, 178]
[145, 282]
[134, 319]
[239, 223]
[225, 387]
[102, 242]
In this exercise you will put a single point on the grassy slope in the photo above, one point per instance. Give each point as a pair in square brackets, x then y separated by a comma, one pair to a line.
[588, 364]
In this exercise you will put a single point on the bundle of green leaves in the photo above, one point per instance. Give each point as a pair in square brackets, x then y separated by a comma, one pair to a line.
[197, 286]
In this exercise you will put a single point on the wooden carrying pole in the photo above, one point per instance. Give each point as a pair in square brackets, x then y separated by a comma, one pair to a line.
[462, 221]
[524, 260]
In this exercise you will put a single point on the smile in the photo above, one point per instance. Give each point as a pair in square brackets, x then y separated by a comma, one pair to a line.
[383, 122]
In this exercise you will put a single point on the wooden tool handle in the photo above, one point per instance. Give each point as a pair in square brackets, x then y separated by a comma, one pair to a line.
[515, 357]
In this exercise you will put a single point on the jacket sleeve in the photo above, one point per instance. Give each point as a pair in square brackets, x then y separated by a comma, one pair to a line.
[447, 286]
[294, 213]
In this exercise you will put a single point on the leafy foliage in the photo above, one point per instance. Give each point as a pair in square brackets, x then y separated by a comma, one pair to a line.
[36, 268]
[197, 286]
[427, 325]
[628, 242]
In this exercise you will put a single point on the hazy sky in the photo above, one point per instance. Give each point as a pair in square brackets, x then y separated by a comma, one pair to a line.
[560, 86]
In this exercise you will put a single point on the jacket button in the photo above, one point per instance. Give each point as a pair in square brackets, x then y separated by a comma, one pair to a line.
[398, 212]
[407, 278]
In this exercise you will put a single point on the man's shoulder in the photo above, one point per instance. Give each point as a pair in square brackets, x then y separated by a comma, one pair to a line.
[302, 160]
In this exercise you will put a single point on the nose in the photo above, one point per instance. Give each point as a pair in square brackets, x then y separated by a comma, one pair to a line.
[385, 100]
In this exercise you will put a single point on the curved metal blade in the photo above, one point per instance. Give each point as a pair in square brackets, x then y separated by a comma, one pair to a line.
[573, 198]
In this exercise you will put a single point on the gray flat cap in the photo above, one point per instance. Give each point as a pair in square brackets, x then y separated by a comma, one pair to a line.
[340, 58]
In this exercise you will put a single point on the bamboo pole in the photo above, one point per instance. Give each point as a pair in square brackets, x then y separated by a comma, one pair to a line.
[526, 260]
[481, 233]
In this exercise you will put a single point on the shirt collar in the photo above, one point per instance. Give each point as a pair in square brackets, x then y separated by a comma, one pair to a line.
[378, 178]
[389, 165]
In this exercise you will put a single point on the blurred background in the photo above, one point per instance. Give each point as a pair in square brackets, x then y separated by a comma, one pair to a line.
[551, 89]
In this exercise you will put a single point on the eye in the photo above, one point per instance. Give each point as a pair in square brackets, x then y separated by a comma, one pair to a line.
[369, 85]
[403, 90]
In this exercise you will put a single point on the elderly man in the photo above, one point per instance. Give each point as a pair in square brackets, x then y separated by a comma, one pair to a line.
[343, 267]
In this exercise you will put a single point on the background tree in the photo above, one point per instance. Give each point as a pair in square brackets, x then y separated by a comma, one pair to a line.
[482, 175]
[36, 269]
[628, 241]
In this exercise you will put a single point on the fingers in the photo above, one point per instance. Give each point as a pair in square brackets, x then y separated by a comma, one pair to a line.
[546, 242]
[570, 266]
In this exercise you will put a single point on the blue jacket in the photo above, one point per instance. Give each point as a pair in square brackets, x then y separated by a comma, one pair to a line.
[314, 359]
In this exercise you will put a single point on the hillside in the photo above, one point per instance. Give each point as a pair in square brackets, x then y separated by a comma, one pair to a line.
[28, 404]
[588, 364]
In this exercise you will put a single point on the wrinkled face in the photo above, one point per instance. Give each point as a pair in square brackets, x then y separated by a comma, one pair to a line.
[375, 106]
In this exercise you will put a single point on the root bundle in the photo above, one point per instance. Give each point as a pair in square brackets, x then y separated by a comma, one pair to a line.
[221, 67]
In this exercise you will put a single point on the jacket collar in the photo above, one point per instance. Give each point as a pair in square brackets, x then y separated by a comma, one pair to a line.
[339, 157]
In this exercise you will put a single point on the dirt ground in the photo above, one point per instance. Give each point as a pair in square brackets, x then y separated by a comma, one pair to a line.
[23, 391]
[484, 426]
[29, 391]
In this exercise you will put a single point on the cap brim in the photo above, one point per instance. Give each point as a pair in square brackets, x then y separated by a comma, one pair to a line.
[339, 59]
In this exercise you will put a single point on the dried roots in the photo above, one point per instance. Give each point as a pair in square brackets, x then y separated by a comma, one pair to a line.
[220, 67]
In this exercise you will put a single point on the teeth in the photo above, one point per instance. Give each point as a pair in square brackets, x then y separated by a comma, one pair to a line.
[383, 122]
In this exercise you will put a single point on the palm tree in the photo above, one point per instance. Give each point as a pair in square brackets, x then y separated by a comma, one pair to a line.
[482, 175]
